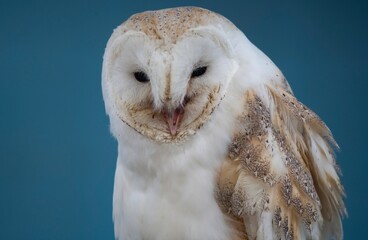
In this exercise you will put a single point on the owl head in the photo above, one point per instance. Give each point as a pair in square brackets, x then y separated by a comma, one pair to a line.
[165, 72]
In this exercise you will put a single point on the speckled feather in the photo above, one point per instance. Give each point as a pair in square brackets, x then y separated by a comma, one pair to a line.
[171, 24]
[281, 126]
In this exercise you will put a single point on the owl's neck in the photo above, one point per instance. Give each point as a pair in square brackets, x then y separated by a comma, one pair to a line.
[161, 193]
[165, 191]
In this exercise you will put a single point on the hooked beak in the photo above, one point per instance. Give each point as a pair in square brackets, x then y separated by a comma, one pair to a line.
[173, 118]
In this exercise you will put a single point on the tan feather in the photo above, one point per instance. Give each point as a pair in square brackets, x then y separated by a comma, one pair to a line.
[280, 178]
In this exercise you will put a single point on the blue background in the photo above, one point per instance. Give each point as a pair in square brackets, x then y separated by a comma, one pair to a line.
[57, 157]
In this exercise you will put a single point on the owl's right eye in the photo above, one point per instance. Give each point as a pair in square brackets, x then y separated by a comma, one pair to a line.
[141, 77]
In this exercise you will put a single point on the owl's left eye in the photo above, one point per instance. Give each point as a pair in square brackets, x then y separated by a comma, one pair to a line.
[141, 77]
[199, 71]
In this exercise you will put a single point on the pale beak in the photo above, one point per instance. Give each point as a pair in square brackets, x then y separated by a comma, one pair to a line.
[173, 119]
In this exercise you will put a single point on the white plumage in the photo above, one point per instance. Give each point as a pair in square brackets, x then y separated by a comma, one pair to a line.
[212, 144]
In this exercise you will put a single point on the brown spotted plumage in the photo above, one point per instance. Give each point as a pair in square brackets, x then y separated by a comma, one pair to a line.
[297, 193]
[171, 24]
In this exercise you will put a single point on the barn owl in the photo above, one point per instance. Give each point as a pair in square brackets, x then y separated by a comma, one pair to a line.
[212, 143]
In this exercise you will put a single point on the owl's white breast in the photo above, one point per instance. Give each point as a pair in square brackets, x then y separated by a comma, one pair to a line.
[166, 191]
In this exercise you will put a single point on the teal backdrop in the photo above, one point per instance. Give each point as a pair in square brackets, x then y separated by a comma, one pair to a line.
[57, 158]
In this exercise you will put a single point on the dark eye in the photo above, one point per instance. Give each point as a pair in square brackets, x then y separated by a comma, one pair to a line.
[141, 77]
[199, 71]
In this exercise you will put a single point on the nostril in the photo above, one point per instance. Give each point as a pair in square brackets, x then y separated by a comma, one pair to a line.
[186, 100]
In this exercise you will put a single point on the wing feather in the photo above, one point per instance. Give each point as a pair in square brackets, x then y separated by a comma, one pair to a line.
[280, 177]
